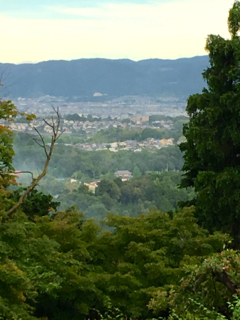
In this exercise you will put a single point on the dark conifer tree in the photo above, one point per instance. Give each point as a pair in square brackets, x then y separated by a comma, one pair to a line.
[212, 150]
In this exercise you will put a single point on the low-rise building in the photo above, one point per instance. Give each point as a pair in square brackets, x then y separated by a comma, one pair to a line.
[123, 174]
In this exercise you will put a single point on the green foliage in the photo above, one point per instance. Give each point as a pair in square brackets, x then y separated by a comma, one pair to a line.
[151, 250]
[35, 203]
[211, 153]
[87, 166]
[49, 184]
[136, 172]
[63, 266]
[130, 198]
[139, 134]
[111, 312]
[84, 189]
[116, 134]
[109, 187]
[234, 18]
[74, 117]
[208, 291]
[7, 112]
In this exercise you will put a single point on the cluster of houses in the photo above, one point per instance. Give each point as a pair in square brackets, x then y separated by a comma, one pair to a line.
[91, 127]
[116, 107]
[124, 175]
[19, 127]
[133, 145]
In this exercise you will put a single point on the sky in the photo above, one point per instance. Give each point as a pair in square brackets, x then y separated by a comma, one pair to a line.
[38, 30]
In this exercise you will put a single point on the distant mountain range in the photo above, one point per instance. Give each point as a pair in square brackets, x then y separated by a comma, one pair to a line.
[113, 78]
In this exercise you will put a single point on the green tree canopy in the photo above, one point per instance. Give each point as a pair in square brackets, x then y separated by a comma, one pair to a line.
[212, 150]
[109, 187]
[7, 112]
[136, 172]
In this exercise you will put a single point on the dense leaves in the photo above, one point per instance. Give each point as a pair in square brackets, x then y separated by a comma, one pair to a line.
[67, 266]
[7, 112]
[211, 153]
[130, 198]
[36, 203]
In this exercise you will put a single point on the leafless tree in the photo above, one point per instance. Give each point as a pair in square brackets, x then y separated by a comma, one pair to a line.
[56, 133]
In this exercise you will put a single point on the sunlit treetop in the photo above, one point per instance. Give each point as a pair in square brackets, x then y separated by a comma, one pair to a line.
[234, 19]
[8, 110]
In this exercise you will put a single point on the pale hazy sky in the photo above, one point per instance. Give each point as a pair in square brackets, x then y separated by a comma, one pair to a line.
[37, 30]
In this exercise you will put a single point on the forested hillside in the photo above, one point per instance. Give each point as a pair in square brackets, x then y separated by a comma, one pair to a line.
[68, 160]
[114, 78]
[155, 181]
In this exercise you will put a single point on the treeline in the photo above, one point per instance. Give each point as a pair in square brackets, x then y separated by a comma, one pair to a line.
[77, 117]
[130, 198]
[139, 134]
[119, 135]
[138, 195]
[86, 166]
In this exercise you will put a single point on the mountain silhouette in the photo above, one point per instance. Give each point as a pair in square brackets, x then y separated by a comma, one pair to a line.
[113, 78]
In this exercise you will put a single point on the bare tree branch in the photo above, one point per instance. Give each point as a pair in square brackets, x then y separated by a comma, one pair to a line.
[43, 145]
[60, 134]
[30, 172]
[47, 123]
[37, 142]
[56, 134]
[53, 124]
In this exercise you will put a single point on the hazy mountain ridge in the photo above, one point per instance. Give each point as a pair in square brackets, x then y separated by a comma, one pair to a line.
[84, 77]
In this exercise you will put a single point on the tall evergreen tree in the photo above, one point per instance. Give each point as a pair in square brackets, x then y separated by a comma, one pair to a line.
[212, 150]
